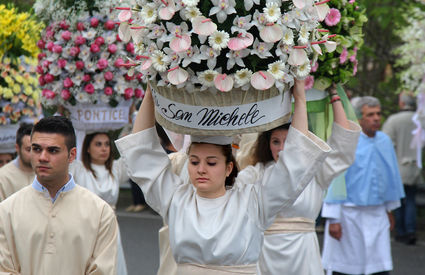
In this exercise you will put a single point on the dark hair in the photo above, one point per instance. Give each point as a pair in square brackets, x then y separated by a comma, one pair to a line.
[24, 130]
[262, 151]
[86, 158]
[57, 125]
[227, 152]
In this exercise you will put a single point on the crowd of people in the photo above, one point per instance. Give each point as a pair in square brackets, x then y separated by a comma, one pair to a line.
[223, 213]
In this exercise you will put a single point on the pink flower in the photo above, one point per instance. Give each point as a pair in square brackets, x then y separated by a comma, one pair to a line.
[63, 25]
[108, 91]
[355, 68]
[79, 40]
[86, 78]
[65, 94]
[128, 78]
[130, 47]
[48, 78]
[66, 35]
[99, 41]
[41, 56]
[343, 56]
[353, 58]
[49, 94]
[41, 80]
[139, 76]
[138, 93]
[128, 93]
[39, 69]
[94, 48]
[109, 25]
[41, 44]
[351, 1]
[67, 83]
[108, 76]
[117, 37]
[57, 49]
[333, 17]
[61, 63]
[112, 48]
[74, 51]
[119, 62]
[80, 26]
[94, 22]
[49, 45]
[46, 63]
[49, 34]
[309, 82]
[102, 64]
[89, 88]
[79, 64]
[314, 67]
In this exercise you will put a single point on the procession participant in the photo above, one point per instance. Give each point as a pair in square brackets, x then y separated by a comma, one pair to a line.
[55, 226]
[216, 229]
[357, 232]
[5, 158]
[18, 173]
[101, 174]
[290, 244]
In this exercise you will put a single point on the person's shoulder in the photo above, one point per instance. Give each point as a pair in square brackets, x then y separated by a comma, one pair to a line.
[88, 198]
[383, 137]
[400, 116]
[20, 197]
[8, 168]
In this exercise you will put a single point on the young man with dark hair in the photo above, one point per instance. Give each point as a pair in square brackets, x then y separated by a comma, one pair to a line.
[54, 226]
[18, 173]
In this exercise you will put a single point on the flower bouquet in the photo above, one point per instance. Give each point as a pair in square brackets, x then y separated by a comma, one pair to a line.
[222, 53]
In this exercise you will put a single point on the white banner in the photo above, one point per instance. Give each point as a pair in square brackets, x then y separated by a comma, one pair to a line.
[225, 117]
[8, 138]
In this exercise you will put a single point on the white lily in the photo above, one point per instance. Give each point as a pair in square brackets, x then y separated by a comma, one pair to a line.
[222, 8]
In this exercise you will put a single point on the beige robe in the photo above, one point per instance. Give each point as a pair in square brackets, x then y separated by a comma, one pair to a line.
[13, 179]
[75, 235]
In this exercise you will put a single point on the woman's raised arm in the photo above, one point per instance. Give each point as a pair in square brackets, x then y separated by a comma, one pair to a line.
[145, 118]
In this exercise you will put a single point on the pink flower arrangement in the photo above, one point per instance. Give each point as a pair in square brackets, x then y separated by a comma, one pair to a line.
[333, 17]
[343, 56]
[83, 62]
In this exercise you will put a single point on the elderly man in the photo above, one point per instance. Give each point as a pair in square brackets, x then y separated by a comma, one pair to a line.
[399, 128]
[18, 173]
[55, 226]
[357, 234]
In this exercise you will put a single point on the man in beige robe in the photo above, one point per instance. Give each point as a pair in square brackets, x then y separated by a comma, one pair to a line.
[54, 226]
[18, 173]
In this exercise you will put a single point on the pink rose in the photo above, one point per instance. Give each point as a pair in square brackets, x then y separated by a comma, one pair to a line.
[109, 25]
[63, 25]
[41, 44]
[79, 40]
[39, 69]
[108, 76]
[129, 78]
[61, 63]
[112, 48]
[309, 82]
[94, 48]
[79, 64]
[74, 51]
[80, 26]
[41, 80]
[49, 45]
[130, 47]
[57, 49]
[49, 94]
[41, 56]
[102, 64]
[119, 62]
[65, 94]
[128, 93]
[86, 78]
[46, 63]
[94, 22]
[66, 35]
[108, 91]
[89, 88]
[99, 41]
[343, 56]
[49, 34]
[333, 17]
[48, 78]
[139, 76]
[139, 93]
[67, 83]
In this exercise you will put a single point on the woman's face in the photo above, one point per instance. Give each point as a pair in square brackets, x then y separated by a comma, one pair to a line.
[277, 142]
[208, 169]
[99, 149]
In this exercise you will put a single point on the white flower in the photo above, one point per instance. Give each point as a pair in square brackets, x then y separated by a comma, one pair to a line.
[277, 69]
[249, 3]
[241, 24]
[288, 37]
[105, 55]
[90, 35]
[191, 55]
[70, 67]
[303, 35]
[82, 97]
[206, 78]
[303, 70]
[176, 30]
[90, 66]
[259, 19]
[54, 70]
[222, 8]
[99, 81]
[242, 77]
[149, 13]
[271, 12]
[78, 78]
[262, 49]
[104, 98]
[190, 3]
[218, 40]
[84, 53]
[236, 57]
[190, 13]
[160, 61]
[209, 54]
[173, 57]
[110, 38]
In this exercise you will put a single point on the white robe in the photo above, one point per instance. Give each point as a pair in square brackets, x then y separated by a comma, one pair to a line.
[228, 230]
[76, 235]
[13, 179]
[298, 252]
[106, 187]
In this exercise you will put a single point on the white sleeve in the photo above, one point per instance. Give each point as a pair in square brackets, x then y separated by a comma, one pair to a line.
[343, 143]
[149, 166]
[391, 205]
[121, 171]
[331, 211]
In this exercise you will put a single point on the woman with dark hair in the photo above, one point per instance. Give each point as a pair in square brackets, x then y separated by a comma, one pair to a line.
[290, 243]
[101, 174]
[216, 221]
